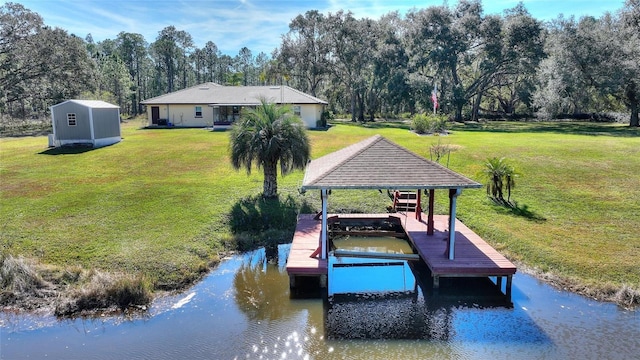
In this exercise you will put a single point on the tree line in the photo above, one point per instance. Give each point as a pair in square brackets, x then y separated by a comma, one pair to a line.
[481, 65]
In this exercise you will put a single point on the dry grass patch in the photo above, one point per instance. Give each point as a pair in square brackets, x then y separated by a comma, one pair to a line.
[24, 284]
[21, 284]
[106, 292]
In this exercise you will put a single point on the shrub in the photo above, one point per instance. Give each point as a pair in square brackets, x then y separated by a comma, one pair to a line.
[429, 124]
[440, 124]
[420, 124]
[440, 150]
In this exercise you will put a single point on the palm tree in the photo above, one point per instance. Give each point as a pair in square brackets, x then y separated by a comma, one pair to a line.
[499, 174]
[510, 175]
[494, 170]
[267, 135]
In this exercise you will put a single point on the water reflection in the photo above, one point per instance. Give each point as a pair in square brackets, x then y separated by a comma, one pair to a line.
[261, 290]
[388, 316]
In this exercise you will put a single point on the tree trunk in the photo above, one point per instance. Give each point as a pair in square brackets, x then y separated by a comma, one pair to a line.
[476, 107]
[633, 103]
[353, 106]
[634, 114]
[634, 119]
[458, 115]
[360, 100]
[270, 184]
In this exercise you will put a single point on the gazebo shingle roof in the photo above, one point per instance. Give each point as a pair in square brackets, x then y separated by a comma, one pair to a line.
[377, 163]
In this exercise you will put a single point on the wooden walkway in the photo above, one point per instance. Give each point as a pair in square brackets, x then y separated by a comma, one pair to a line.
[473, 256]
[305, 242]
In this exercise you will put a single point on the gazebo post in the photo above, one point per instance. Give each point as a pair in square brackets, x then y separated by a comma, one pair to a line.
[418, 206]
[453, 195]
[323, 232]
[430, 215]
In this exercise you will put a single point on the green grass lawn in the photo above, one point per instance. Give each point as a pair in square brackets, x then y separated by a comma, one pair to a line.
[165, 203]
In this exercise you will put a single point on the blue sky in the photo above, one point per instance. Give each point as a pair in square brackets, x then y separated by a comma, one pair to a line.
[256, 24]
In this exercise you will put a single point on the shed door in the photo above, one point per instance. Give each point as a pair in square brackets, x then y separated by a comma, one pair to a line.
[155, 114]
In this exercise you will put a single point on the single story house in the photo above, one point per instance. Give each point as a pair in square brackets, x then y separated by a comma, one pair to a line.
[211, 104]
[91, 122]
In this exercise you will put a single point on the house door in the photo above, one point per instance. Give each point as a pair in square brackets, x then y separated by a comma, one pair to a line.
[155, 114]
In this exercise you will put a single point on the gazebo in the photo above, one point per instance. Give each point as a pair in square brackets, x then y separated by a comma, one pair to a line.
[377, 163]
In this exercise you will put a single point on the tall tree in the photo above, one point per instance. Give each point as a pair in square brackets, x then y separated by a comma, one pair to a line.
[170, 50]
[561, 88]
[114, 84]
[629, 41]
[198, 59]
[262, 68]
[223, 68]
[388, 81]
[132, 49]
[268, 135]
[510, 61]
[304, 51]
[596, 59]
[245, 66]
[464, 51]
[440, 44]
[351, 43]
[210, 53]
[39, 66]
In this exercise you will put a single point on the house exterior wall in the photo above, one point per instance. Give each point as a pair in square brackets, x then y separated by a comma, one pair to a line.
[106, 123]
[310, 114]
[184, 115]
[162, 113]
[61, 129]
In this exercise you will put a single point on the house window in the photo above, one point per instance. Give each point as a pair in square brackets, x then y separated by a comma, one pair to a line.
[198, 111]
[236, 113]
[71, 119]
[296, 110]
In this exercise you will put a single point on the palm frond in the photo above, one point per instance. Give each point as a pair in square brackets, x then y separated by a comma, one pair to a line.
[269, 134]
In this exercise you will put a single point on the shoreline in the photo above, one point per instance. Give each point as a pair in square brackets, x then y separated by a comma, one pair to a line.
[46, 301]
[623, 296]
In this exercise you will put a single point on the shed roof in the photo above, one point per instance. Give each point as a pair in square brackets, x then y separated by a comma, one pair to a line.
[377, 163]
[95, 104]
[215, 94]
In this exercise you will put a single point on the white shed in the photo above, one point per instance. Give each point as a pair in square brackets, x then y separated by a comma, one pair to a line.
[90, 122]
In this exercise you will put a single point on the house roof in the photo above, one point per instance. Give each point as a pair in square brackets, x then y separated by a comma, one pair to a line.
[96, 104]
[214, 94]
[377, 163]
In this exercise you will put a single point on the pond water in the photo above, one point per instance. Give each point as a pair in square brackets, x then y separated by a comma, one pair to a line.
[377, 244]
[243, 310]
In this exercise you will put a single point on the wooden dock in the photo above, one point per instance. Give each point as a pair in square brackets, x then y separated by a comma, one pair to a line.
[473, 256]
[306, 240]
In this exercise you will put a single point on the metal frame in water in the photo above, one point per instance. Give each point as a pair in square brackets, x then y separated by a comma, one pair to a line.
[368, 275]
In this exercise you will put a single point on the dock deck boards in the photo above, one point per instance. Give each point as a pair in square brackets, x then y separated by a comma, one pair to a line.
[473, 256]
[306, 240]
